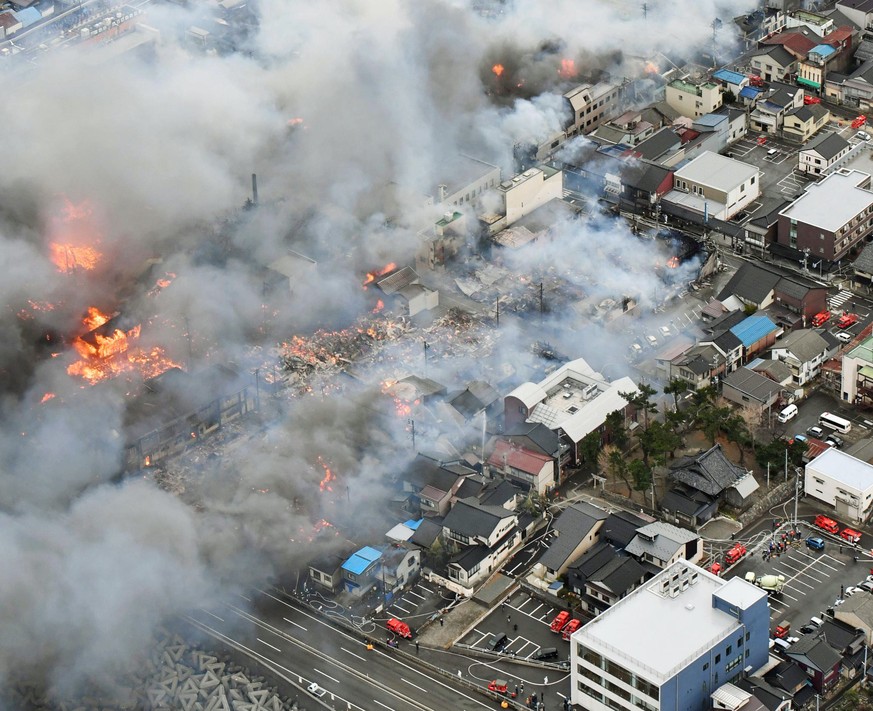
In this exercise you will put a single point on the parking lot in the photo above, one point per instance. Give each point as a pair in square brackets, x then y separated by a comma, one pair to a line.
[525, 620]
[418, 603]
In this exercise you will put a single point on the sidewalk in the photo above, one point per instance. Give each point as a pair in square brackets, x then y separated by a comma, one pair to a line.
[454, 625]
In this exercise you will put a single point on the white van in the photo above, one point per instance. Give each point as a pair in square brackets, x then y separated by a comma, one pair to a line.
[788, 413]
[817, 621]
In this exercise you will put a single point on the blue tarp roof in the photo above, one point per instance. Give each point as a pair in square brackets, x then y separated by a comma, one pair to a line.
[28, 16]
[749, 92]
[753, 329]
[360, 560]
[412, 524]
[823, 50]
[710, 119]
[729, 76]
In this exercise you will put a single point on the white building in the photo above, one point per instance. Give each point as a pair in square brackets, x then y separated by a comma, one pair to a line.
[817, 156]
[715, 185]
[841, 481]
[523, 194]
[803, 351]
[693, 100]
[670, 643]
[857, 374]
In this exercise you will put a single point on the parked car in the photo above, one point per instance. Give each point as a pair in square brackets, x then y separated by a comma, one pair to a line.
[807, 629]
[850, 535]
[815, 431]
[820, 318]
[844, 337]
[863, 135]
[867, 585]
[498, 641]
[545, 653]
[851, 590]
[815, 543]
[835, 440]
[316, 690]
[847, 320]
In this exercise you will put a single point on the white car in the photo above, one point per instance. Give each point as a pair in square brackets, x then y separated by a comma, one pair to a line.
[851, 590]
[665, 330]
[863, 135]
[652, 340]
[316, 690]
[844, 337]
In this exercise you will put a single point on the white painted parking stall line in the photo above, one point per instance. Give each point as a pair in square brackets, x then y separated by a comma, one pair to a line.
[527, 643]
[482, 635]
[533, 612]
[400, 607]
[220, 619]
[383, 705]
[415, 594]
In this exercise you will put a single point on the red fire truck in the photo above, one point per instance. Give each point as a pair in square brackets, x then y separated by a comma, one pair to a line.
[826, 524]
[734, 554]
[571, 627]
[398, 627]
[558, 623]
[850, 535]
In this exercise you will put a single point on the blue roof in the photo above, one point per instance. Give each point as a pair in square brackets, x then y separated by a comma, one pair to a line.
[749, 92]
[412, 524]
[824, 50]
[28, 16]
[359, 561]
[710, 119]
[753, 329]
[729, 76]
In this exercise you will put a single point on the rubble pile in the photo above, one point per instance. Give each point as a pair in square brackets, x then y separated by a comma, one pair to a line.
[173, 675]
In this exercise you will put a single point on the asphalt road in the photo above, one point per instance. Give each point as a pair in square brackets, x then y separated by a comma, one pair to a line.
[307, 649]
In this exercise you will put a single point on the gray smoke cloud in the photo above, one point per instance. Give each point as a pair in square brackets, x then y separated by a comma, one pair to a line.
[351, 113]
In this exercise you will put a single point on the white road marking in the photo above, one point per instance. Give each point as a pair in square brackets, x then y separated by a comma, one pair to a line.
[353, 654]
[537, 608]
[400, 607]
[326, 675]
[292, 622]
[247, 599]
[268, 644]
[420, 597]
[382, 705]
[406, 681]
[220, 619]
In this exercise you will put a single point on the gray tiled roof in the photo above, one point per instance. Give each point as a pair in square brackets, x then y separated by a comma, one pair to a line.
[469, 518]
[660, 540]
[804, 343]
[750, 283]
[572, 526]
[813, 650]
[827, 145]
[710, 472]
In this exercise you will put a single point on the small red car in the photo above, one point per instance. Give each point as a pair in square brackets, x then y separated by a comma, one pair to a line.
[558, 623]
[398, 627]
[850, 535]
[498, 685]
[811, 100]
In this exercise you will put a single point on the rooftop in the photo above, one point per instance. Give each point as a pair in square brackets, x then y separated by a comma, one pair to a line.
[843, 468]
[659, 653]
[717, 171]
[833, 202]
[360, 560]
[753, 329]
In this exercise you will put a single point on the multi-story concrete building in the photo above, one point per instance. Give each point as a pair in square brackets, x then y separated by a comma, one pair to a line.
[841, 481]
[522, 194]
[670, 643]
[857, 374]
[693, 100]
[715, 186]
[591, 106]
[831, 218]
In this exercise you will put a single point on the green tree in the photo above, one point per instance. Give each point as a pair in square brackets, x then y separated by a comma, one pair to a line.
[589, 447]
[736, 430]
[616, 430]
[676, 387]
[641, 474]
[641, 400]
[613, 461]
[658, 441]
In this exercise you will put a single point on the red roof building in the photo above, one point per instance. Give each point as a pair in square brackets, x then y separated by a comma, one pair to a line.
[531, 469]
[795, 43]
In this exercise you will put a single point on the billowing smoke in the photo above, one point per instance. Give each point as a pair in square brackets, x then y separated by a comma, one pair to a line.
[123, 181]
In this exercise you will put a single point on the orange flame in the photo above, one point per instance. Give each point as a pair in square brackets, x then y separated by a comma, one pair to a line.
[568, 69]
[497, 69]
[296, 121]
[47, 397]
[372, 276]
[73, 238]
[379, 306]
[105, 356]
[69, 257]
[651, 68]
[329, 476]
[673, 262]
[94, 318]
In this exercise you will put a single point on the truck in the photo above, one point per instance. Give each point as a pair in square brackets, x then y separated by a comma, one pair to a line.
[397, 627]
[826, 524]
[734, 554]
[820, 318]
[560, 620]
[571, 627]
[782, 629]
[770, 583]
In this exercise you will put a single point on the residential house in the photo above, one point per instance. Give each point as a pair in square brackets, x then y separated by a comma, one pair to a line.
[700, 632]
[818, 659]
[757, 333]
[842, 481]
[756, 285]
[699, 366]
[804, 122]
[687, 506]
[602, 576]
[713, 474]
[574, 400]
[467, 180]
[532, 470]
[628, 129]
[748, 389]
[432, 483]
[714, 186]
[860, 12]
[482, 537]
[620, 527]
[770, 697]
[862, 267]
[789, 677]
[776, 370]
[831, 219]
[9, 23]
[400, 568]
[857, 613]
[476, 398]
[327, 570]
[854, 89]
[693, 100]
[797, 41]
[661, 148]
[820, 24]
[732, 82]
[536, 437]
[772, 63]
[662, 544]
[768, 116]
[591, 106]
[833, 55]
[361, 571]
[405, 287]
[732, 347]
[643, 185]
[803, 351]
[821, 153]
[729, 697]
[848, 641]
[738, 122]
[759, 231]
[575, 531]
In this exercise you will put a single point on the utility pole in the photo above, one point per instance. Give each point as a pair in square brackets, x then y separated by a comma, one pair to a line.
[796, 496]
[426, 346]
[498, 310]
[542, 303]
[645, 10]
[786, 464]
[412, 424]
